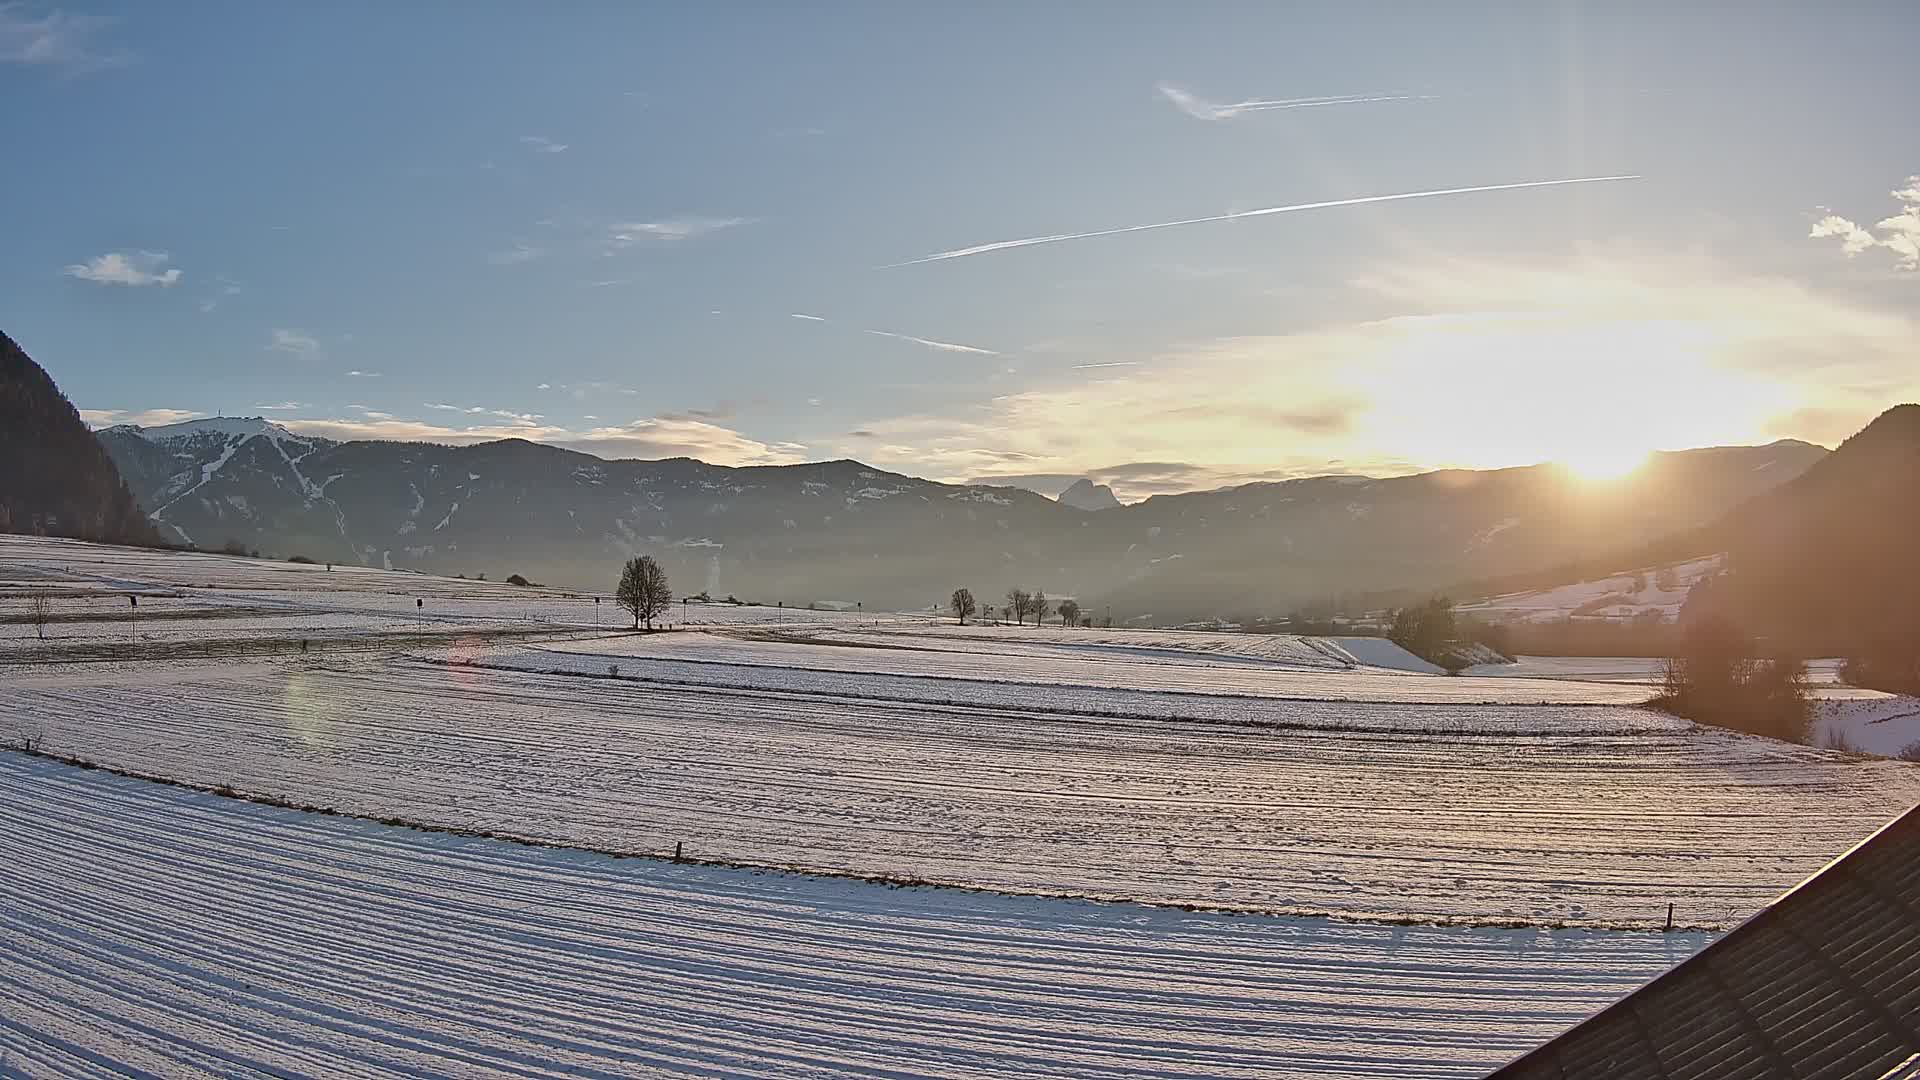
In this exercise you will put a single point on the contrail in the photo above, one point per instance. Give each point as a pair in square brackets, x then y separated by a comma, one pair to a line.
[1002, 245]
[943, 346]
[1196, 106]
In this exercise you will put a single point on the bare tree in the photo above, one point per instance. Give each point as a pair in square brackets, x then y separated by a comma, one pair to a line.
[963, 605]
[1019, 602]
[40, 610]
[643, 590]
[1037, 604]
[1069, 613]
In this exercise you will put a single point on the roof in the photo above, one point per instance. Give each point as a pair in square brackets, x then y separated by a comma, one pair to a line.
[1824, 982]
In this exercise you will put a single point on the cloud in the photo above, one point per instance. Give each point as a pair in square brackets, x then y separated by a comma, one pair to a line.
[1195, 106]
[540, 144]
[681, 437]
[1107, 364]
[1449, 363]
[363, 374]
[56, 41]
[656, 437]
[544, 386]
[1900, 233]
[284, 406]
[522, 419]
[1003, 245]
[294, 343]
[809, 318]
[100, 418]
[225, 287]
[131, 268]
[668, 230]
[943, 346]
[519, 253]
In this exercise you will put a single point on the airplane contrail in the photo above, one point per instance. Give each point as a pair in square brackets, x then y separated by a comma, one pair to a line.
[1002, 245]
[1196, 106]
[943, 346]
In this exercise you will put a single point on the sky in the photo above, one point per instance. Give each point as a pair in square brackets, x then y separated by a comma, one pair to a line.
[912, 234]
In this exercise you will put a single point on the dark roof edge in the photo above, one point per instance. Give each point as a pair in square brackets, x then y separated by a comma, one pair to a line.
[1546, 1049]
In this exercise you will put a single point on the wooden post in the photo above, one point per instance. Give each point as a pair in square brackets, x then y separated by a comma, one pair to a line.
[1669, 916]
[676, 850]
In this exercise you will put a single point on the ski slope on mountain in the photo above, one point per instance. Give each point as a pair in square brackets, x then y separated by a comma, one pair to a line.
[152, 931]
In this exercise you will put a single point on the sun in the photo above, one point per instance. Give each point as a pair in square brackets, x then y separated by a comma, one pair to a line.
[1602, 462]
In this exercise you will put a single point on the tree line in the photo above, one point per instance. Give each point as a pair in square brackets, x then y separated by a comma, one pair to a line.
[1020, 605]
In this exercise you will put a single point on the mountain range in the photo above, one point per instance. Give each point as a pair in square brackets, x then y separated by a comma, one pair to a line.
[841, 530]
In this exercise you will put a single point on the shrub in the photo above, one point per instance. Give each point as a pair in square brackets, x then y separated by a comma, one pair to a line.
[301, 559]
[1717, 678]
[1909, 752]
[516, 579]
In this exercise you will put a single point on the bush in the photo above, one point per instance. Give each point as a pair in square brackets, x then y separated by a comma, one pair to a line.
[516, 579]
[1717, 678]
[1887, 670]
[1909, 752]
[301, 559]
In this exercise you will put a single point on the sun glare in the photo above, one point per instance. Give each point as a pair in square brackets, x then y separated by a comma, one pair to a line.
[1603, 463]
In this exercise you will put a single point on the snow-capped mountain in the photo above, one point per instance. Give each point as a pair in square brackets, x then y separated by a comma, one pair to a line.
[844, 530]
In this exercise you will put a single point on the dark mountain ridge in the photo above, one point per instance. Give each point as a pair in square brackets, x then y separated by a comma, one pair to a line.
[842, 530]
[55, 478]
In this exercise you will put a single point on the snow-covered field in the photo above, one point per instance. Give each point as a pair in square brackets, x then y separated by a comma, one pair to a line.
[1625, 595]
[1873, 723]
[1073, 775]
[1567, 814]
[147, 930]
[1005, 658]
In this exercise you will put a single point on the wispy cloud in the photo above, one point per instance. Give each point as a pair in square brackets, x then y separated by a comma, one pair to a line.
[294, 343]
[1900, 233]
[55, 41]
[1109, 363]
[224, 287]
[622, 234]
[363, 374]
[1196, 106]
[540, 144]
[809, 318]
[518, 253]
[132, 268]
[654, 437]
[283, 406]
[943, 346]
[520, 418]
[100, 418]
[1003, 245]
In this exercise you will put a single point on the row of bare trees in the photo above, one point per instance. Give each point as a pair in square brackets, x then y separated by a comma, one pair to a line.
[1020, 604]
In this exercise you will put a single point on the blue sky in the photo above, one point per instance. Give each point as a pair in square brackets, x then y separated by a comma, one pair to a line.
[596, 224]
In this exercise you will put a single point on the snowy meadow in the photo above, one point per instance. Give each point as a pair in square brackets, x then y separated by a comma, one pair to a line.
[907, 847]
